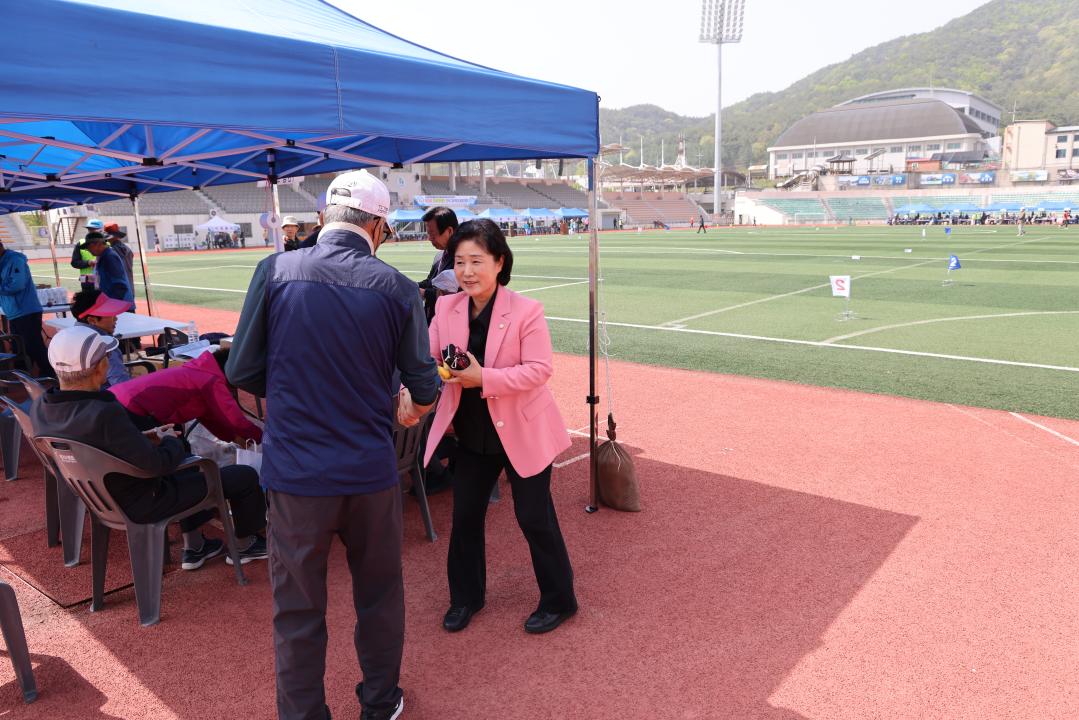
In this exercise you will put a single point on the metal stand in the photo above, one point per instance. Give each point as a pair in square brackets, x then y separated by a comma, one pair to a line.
[52, 247]
[847, 313]
[592, 399]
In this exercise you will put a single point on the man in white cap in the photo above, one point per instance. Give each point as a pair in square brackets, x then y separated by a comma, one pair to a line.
[291, 226]
[79, 410]
[324, 334]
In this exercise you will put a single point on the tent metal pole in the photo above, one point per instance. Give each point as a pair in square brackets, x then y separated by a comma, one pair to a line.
[142, 257]
[592, 399]
[278, 243]
[52, 247]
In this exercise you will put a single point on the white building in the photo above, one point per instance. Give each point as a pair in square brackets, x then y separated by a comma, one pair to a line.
[984, 113]
[878, 136]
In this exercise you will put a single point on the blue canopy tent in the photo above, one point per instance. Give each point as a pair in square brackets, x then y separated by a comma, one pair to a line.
[571, 213]
[1055, 205]
[1005, 207]
[917, 208]
[192, 96]
[402, 216]
[538, 213]
[464, 214]
[500, 214]
[968, 208]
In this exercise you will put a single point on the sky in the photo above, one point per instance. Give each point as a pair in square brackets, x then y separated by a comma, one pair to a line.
[647, 52]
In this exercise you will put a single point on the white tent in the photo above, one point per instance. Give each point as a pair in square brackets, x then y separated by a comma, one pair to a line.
[219, 225]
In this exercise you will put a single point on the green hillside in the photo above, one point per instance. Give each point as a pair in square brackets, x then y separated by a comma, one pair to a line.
[1024, 52]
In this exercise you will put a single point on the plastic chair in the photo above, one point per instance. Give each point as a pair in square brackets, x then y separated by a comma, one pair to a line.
[65, 513]
[408, 443]
[15, 640]
[13, 352]
[85, 469]
[35, 387]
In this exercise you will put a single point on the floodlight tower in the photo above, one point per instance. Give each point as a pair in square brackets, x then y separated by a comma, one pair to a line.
[721, 23]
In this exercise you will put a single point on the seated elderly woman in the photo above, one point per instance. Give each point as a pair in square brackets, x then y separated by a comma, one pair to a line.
[196, 390]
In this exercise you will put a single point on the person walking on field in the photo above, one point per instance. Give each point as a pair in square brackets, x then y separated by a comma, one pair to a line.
[700, 226]
[323, 335]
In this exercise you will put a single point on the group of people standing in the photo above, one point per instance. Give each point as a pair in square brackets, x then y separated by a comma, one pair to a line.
[359, 329]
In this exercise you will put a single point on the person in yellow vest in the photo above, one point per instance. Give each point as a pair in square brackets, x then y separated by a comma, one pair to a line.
[82, 259]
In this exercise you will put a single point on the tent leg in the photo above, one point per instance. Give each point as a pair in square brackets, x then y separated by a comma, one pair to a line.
[52, 246]
[592, 399]
[278, 243]
[142, 257]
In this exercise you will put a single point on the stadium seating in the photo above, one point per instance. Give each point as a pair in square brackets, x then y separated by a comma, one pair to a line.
[181, 202]
[670, 208]
[791, 207]
[240, 198]
[937, 201]
[1033, 198]
[857, 208]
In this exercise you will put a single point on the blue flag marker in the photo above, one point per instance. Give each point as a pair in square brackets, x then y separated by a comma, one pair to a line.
[948, 230]
[953, 263]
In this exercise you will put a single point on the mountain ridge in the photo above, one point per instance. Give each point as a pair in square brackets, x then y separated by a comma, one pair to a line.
[1021, 53]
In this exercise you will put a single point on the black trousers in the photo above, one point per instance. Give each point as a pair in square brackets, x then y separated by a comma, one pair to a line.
[28, 327]
[301, 532]
[474, 478]
[146, 502]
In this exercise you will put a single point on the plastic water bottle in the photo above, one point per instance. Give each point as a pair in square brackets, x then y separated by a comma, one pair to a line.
[192, 332]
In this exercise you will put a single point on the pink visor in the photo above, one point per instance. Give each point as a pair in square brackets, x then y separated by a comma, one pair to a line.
[106, 306]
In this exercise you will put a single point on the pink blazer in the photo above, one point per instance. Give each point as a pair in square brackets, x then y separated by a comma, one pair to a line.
[517, 366]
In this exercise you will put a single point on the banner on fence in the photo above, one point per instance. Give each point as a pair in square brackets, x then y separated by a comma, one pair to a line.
[978, 178]
[446, 200]
[938, 179]
[1030, 175]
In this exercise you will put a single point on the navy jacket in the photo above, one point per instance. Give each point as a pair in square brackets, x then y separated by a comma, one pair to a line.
[112, 276]
[323, 334]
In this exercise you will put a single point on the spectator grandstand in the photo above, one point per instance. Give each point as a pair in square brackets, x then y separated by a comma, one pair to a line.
[181, 202]
[649, 208]
[798, 207]
[859, 208]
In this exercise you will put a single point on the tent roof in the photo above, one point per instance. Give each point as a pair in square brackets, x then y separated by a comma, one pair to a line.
[212, 91]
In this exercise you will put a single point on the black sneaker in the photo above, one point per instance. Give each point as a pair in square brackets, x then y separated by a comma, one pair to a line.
[255, 551]
[193, 559]
[384, 714]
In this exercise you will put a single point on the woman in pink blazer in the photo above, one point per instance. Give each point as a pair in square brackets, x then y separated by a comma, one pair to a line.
[504, 418]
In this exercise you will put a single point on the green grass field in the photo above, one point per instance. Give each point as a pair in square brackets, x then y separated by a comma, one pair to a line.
[757, 302]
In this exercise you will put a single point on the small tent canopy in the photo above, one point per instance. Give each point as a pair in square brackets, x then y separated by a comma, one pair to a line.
[538, 213]
[464, 214]
[571, 213]
[218, 224]
[193, 96]
[500, 214]
[1005, 207]
[916, 208]
[401, 216]
[967, 208]
[1056, 205]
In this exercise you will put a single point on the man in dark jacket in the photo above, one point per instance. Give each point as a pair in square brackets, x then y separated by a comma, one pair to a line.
[117, 243]
[79, 411]
[111, 273]
[441, 223]
[325, 331]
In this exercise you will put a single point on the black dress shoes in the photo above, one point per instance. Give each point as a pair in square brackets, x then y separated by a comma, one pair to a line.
[458, 617]
[542, 621]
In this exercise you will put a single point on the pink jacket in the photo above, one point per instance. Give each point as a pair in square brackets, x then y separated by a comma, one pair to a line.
[196, 390]
[518, 364]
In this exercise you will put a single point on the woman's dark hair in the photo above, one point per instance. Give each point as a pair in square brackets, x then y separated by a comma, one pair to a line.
[488, 236]
[83, 301]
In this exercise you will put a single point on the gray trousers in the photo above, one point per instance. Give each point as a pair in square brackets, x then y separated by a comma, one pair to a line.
[301, 530]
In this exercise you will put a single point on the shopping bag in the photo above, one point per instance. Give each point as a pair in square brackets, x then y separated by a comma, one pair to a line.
[206, 444]
[250, 454]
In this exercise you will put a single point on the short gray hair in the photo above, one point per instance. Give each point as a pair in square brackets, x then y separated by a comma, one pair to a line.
[74, 376]
[345, 214]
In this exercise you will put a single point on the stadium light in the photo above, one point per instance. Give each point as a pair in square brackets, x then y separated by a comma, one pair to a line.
[721, 23]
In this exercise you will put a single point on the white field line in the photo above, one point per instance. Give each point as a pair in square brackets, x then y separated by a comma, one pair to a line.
[709, 313]
[882, 328]
[572, 460]
[816, 343]
[549, 287]
[1049, 430]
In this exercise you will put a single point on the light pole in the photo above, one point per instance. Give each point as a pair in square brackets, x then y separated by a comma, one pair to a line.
[721, 23]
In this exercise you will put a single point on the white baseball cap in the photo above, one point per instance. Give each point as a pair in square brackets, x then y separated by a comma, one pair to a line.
[290, 220]
[359, 190]
[79, 347]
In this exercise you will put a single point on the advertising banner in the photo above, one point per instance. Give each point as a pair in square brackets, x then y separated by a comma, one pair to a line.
[978, 178]
[1030, 175]
[889, 179]
[938, 179]
[446, 200]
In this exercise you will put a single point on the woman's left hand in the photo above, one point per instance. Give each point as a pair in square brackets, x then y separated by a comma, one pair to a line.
[471, 376]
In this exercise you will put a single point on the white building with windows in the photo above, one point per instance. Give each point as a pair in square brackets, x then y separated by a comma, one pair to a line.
[881, 135]
[1038, 144]
[985, 114]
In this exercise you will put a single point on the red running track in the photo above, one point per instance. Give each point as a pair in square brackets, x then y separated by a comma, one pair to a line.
[804, 553]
